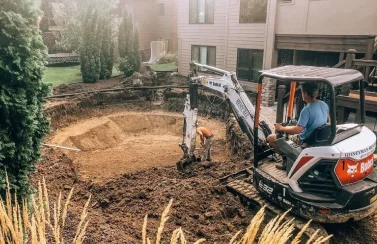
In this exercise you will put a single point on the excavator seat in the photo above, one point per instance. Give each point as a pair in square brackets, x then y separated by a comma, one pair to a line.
[291, 150]
[319, 136]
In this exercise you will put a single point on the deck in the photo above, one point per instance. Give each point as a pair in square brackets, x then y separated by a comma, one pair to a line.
[61, 58]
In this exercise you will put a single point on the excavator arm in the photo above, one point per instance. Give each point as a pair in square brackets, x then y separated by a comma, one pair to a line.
[225, 83]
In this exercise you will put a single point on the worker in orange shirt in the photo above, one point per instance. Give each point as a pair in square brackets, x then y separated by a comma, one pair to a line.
[206, 139]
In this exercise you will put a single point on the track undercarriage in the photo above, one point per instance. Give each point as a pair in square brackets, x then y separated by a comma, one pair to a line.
[241, 184]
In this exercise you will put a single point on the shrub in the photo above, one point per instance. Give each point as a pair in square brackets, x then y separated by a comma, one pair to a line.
[22, 124]
[128, 66]
[128, 46]
[168, 58]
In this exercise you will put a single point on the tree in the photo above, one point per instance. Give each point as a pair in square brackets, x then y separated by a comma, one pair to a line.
[90, 49]
[136, 49]
[128, 44]
[107, 51]
[86, 25]
[22, 124]
[123, 36]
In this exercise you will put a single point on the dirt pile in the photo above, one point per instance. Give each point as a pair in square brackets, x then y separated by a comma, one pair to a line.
[201, 206]
[84, 87]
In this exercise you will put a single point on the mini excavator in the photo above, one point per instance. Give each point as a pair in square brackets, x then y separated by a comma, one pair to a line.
[330, 180]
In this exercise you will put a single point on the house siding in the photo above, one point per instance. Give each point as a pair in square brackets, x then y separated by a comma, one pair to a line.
[227, 34]
[145, 21]
[248, 36]
[201, 34]
[152, 27]
[167, 24]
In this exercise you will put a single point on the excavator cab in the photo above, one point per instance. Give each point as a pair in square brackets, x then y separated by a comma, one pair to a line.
[331, 178]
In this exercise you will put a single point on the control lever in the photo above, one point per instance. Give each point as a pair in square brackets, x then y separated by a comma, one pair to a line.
[280, 134]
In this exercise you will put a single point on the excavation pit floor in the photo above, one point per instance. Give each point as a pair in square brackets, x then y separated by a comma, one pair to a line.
[125, 142]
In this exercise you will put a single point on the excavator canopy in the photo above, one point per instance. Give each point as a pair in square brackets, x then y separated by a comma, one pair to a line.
[334, 77]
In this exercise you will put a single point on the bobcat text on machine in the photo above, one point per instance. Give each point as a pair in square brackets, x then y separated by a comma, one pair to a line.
[331, 180]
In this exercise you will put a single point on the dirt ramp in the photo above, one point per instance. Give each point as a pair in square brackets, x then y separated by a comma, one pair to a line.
[126, 142]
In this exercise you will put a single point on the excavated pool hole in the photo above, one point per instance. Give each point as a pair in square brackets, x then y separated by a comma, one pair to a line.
[125, 142]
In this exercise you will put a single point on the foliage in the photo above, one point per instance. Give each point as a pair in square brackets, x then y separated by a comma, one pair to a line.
[136, 48]
[107, 51]
[124, 35]
[22, 124]
[128, 65]
[128, 46]
[277, 231]
[253, 11]
[87, 30]
[44, 225]
[168, 58]
[74, 15]
[89, 52]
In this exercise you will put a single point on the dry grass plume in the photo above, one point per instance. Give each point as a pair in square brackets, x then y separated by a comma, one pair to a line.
[277, 231]
[34, 222]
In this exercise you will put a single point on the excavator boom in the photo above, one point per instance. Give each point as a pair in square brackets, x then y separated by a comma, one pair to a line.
[226, 84]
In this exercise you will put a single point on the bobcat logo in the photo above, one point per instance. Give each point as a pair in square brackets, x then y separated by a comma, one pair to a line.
[352, 169]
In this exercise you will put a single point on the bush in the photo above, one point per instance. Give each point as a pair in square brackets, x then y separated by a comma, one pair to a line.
[22, 124]
[128, 46]
[128, 65]
[168, 58]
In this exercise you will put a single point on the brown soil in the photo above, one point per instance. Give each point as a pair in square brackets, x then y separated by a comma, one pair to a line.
[127, 165]
[129, 141]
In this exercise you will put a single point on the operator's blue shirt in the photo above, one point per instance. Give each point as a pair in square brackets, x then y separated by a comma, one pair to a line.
[313, 116]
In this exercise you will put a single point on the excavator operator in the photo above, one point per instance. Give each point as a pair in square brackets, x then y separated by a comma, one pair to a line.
[206, 139]
[312, 116]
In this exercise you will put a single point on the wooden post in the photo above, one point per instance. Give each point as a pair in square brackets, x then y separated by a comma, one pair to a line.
[280, 105]
[368, 56]
[351, 55]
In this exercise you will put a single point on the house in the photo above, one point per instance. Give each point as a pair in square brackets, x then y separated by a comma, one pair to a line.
[155, 20]
[247, 36]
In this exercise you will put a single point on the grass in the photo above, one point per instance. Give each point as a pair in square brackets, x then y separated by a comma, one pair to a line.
[277, 231]
[164, 67]
[62, 75]
[58, 75]
[38, 221]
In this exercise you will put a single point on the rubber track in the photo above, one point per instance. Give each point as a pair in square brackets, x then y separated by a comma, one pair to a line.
[248, 191]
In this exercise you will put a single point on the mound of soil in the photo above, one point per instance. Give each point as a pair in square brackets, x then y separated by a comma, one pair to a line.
[84, 87]
[201, 206]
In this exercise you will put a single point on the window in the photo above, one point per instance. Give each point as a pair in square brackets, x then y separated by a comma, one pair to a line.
[204, 55]
[253, 11]
[249, 63]
[161, 9]
[202, 11]
[286, 1]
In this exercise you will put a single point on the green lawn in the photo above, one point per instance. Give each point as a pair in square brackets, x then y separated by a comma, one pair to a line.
[62, 75]
[164, 67]
[66, 75]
